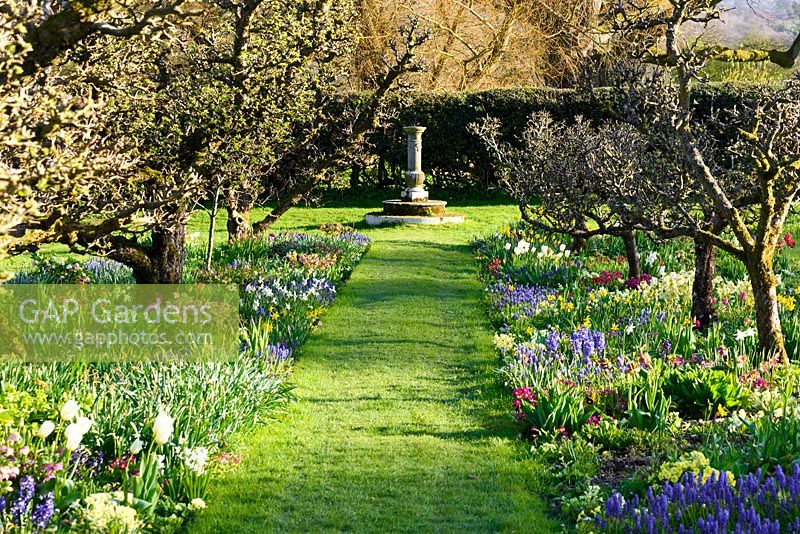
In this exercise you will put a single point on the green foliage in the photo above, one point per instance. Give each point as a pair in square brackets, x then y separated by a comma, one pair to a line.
[557, 410]
[753, 72]
[648, 407]
[56, 271]
[573, 462]
[455, 159]
[705, 393]
[763, 441]
[613, 437]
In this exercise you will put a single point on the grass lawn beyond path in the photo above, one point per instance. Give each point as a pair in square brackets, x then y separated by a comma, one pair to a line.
[400, 424]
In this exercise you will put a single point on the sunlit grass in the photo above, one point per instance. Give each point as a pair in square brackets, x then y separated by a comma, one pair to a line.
[401, 425]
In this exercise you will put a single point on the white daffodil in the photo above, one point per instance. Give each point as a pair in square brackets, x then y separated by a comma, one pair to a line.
[629, 328]
[522, 247]
[741, 335]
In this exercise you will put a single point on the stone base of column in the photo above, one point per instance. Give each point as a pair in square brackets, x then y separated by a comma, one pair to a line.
[414, 194]
[376, 219]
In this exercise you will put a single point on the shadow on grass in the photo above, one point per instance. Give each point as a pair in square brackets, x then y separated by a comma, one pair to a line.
[406, 426]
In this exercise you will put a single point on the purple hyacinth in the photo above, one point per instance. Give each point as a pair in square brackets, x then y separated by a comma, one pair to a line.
[587, 342]
[27, 488]
[43, 511]
[355, 237]
[553, 341]
[524, 299]
[278, 352]
[756, 504]
[599, 341]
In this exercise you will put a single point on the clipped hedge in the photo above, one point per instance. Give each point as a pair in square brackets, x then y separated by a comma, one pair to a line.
[454, 159]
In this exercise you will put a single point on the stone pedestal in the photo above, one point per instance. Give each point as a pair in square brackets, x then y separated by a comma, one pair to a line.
[415, 178]
[414, 206]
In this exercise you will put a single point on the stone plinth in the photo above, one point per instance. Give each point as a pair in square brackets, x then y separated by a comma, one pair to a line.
[414, 194]
[376, 219]
[414, 206]
[421, 208]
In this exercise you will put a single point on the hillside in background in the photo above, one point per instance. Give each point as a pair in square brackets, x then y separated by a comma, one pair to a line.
[758, 21]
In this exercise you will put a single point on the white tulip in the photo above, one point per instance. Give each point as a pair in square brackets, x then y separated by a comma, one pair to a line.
[84, 424]
[522, 247]
[45, 429]
[74, 436]
[136, 446]
[162, 428]
[70, 410]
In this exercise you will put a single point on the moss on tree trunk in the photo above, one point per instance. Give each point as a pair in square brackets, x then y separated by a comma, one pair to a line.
[765, 295]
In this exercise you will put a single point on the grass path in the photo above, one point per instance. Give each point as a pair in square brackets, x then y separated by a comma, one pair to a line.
[400, 425]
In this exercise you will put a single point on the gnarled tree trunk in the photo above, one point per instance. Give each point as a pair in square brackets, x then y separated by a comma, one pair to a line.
[160, 263]
[705, 256]
[283, 206]
[238, 206]
[632, 254]
[167, 255]
[579, 239]
[765, 294]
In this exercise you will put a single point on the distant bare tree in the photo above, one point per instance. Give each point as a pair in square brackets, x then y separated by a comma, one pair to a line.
[749, 192]
[552, 174]
[478, 44]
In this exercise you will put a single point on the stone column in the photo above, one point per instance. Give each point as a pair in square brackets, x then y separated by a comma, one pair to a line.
[415, 178]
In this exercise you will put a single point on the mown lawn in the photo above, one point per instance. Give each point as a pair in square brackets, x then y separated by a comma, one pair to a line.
[400, 423]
